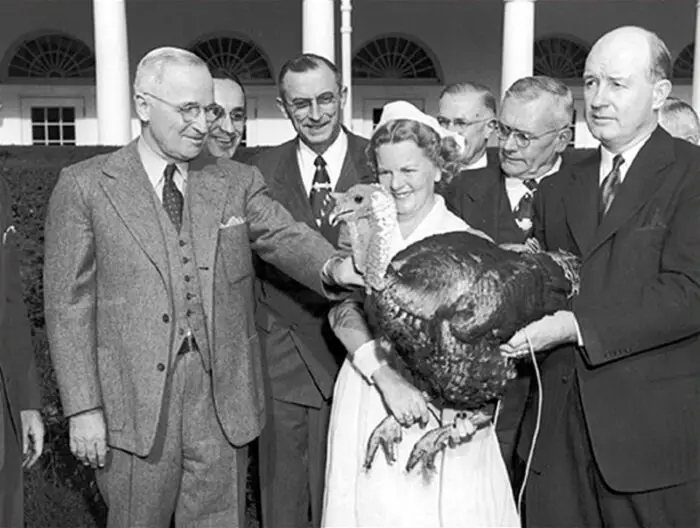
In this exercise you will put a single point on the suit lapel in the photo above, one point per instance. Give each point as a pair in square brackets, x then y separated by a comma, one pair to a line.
[487, 198]
[289, 186]
[640, 183]
[127, 186]
[207, 192]
[352, 170]
[582, 202]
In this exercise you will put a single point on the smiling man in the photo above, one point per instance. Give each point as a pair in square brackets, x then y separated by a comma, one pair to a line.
[226, 133]
[302, 356]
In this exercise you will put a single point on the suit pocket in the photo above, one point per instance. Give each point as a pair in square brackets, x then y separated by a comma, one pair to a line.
[112, 386]
[234, 248]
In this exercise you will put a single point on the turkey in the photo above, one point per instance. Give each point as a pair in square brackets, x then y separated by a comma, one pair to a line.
[445, 304]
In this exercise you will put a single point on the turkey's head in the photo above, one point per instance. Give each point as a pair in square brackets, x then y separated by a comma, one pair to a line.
[370, 214]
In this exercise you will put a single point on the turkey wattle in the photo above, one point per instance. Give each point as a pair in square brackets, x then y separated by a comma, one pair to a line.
[445, 304]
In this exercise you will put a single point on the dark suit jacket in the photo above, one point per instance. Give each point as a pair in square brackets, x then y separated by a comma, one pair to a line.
[108, 292]
[302, 354]
[479, 197]
[17, 364]
[638, 311]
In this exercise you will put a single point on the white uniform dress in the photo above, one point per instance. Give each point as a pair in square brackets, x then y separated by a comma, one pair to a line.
[470, 487]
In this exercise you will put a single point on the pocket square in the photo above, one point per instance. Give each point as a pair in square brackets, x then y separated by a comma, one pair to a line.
[9, 230]
[233, 221]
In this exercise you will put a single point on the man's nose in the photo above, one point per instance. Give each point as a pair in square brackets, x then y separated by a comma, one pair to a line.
[315, 111]
[226, 124]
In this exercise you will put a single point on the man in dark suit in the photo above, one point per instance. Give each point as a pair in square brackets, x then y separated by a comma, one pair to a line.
[149, 291]
[301, 354]
[619, 435]
[21, 427]
[226, 133]
[533, 130]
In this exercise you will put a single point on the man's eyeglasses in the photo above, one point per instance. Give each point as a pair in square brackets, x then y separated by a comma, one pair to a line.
[460, 123]
[191, 111]
[301, 107]
[522, 139]
[237, 116]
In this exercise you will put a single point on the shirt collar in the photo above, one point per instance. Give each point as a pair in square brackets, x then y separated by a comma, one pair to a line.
[478, 164]
[155, 164]
[517, 182]
[333, 156]
[629, 155]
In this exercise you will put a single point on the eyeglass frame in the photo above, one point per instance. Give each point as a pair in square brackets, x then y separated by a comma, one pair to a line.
[461, 123]
[526, 137]
[241, 118]
[180, 109]
[303, 111]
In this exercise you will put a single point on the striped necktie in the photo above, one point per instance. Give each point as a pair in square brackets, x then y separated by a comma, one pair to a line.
[610, 185]
[320, 196]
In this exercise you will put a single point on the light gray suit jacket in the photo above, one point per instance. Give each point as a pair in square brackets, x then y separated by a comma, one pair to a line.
[108, 297]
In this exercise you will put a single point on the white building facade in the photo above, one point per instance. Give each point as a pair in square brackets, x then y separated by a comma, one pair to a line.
[66, 65]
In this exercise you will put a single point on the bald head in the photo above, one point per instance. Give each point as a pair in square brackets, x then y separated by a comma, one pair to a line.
[625, 84]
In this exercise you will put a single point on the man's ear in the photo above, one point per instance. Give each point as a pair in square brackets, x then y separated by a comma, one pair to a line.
[343, 97]
[564, 138]
[662, 89]
[282, 107]
[143, 109]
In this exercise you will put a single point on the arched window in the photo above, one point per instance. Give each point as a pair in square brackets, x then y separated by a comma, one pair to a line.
[234, 56]
[52, 56]
[395, 58]
[560, 58]
[683, 67]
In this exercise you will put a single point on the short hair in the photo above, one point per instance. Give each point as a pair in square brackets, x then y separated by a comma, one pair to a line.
[487, 97]
[222, 74]
[149, 72]
[534, 87]
[661, 67]
[443, 152]
[676, 114]
[307, 62]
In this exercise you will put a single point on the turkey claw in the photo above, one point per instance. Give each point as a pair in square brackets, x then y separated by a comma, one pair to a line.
[387, 434]
[427, 448]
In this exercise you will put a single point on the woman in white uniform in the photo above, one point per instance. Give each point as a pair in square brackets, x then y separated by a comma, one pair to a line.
[470, 487]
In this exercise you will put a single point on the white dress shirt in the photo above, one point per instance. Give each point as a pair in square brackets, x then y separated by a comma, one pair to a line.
[516, 189]
[478, 164]
[155, 166]
[334, 156]
[606, 159]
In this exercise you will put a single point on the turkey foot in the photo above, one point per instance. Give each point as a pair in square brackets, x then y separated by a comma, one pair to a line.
[387, 434]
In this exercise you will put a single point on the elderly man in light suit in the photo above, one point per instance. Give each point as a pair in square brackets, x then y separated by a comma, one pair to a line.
[149, 294]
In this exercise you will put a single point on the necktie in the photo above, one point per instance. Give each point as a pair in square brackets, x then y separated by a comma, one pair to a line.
[172, 197]
[523, 211]
[609, 187]
[320, 195]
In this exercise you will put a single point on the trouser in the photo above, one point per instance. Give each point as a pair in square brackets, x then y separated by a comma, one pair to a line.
[570, 490]
[292, 451]
[192, 470]
[508, 424]
[11, 494]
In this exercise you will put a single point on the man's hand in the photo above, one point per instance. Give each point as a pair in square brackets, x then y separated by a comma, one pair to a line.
[32, 436]
[544, 334]
[341, 271]
[88, 437]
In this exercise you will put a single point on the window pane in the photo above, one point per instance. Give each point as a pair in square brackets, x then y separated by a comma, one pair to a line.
[37, 114]
[68, 133]
[37, 133]
[52, 114]
[68, 114]
[54, 132]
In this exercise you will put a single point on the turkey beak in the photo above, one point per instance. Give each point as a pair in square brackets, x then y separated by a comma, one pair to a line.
[334, 217]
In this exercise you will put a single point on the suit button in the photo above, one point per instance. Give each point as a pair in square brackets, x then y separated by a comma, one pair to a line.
[565, 379]
[182, 243]
[181, 331]
[166, 318]
[188, 313]
[189, 296]
[160, 367]
[185, 260]
[188, 278]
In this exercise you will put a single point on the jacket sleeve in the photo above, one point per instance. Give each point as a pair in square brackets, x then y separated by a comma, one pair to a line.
[70, 295]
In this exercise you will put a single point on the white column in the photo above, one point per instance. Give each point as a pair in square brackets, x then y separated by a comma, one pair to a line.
[696, 60]
[112, 72]
[518, 41]
[318, 28]
[346, 57]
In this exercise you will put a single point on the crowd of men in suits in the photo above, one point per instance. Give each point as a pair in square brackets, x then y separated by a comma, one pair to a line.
[187, 294]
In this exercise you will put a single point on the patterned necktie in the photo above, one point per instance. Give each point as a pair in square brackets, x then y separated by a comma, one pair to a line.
[172, 197]
[609, 187]
[320, 195]
[523, 211]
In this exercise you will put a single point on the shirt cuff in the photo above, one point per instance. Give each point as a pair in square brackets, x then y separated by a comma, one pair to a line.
[368, 359]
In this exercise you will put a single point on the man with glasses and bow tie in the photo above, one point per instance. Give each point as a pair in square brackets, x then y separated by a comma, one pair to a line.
[302, 356]
[619, 429]
[149, 294]
[533, 129]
